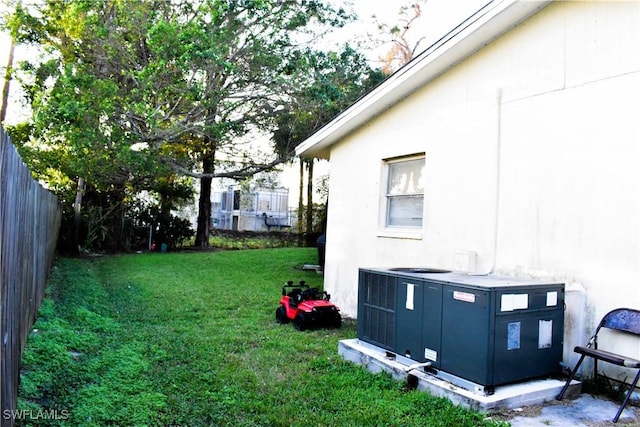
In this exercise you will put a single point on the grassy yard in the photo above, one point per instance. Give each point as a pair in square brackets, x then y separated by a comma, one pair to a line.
[190, 339]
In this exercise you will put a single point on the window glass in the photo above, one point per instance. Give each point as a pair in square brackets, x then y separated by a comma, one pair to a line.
[405, 193]
[405, 177]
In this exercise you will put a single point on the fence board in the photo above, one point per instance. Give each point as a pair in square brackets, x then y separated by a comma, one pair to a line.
[29, 224]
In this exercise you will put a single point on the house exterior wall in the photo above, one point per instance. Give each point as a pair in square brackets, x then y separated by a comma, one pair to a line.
[532, 150]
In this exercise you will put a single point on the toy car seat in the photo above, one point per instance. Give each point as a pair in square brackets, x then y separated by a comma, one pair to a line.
[295, 296]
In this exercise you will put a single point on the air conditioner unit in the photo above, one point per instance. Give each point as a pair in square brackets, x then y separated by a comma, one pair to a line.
[476, 331]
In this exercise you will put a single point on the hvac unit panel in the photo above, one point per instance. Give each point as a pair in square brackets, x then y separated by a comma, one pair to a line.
[527, 345]
[432, 324]
[408, 314]
[466, 341]
[419, 303]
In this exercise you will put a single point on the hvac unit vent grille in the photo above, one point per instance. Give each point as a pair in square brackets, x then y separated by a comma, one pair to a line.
[378, 309]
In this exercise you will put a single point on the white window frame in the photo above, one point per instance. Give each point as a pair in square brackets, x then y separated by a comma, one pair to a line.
[402, 231]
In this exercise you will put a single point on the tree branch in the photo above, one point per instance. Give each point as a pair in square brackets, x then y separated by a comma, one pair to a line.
[241, 173]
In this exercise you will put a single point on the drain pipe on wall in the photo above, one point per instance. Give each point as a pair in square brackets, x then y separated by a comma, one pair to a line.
[498, 154]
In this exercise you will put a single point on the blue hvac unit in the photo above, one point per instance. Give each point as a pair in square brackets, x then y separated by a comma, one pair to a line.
[475, 331]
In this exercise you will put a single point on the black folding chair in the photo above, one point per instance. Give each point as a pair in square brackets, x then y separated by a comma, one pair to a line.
[624, 320]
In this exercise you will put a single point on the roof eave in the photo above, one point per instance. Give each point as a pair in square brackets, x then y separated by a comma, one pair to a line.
[492, 20]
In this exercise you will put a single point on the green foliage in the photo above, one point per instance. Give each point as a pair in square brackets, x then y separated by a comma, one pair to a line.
[173, 231]
[337, 80]
[190, 339]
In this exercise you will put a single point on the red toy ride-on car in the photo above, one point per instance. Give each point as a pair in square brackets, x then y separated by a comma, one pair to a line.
[307, 307]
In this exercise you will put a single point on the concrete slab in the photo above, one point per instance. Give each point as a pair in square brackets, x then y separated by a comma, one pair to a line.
[312, 267]
[585, 411]
[505, 397]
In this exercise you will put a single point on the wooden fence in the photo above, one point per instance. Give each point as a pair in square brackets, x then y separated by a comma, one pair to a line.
[29, 224]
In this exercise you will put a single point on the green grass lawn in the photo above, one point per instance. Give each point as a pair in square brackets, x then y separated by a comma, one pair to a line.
[190, 339]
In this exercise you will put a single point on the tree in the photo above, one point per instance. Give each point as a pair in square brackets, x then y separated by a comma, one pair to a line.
[402, 49]
[182, 81]
[249, 70]
[7, 81]
[338, 79]
[77, 141]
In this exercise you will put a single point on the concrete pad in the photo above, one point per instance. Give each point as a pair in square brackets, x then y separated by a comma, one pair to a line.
[585, 411]
[505, 397]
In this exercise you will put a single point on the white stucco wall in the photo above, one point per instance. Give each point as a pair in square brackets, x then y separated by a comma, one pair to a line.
[532, 153]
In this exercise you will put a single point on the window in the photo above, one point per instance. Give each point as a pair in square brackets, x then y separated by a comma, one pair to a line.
[405, 192]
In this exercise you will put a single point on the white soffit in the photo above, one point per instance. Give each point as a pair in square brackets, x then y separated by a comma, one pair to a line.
[480, 29]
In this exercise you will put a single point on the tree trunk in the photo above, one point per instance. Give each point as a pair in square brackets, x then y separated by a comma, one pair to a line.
[309, 218]
[77, 216]
[7, 79]
[120, 238]
[301, 204]
[204, 204]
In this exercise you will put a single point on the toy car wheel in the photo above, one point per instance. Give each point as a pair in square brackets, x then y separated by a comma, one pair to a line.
[281, 315]
[300, 322]
[337, 321]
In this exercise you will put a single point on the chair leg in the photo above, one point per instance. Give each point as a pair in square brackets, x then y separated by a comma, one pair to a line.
[573, 374]
[626, 398]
